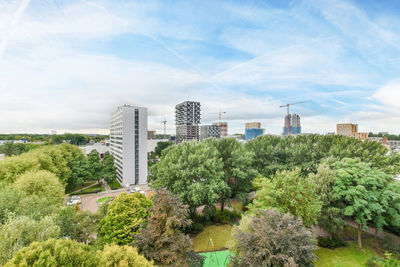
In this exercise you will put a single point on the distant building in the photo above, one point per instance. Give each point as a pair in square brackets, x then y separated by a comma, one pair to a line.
[292, 125]
[350, 130]
[128, 144]
[208, 131]
[102, 148]
[151, 135]
[223, 127]
[187, 120]
[253, 130]
[2, 156]
[152, 144]
[391, 144]
[251, 133]
[253, 125]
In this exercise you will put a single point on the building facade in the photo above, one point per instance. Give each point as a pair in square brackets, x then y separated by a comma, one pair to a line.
[128, 144]
[223, 127]
[292, 125]
[208, 131]
[251, 133]
[350, 130]
[256, 125]
[187, 120]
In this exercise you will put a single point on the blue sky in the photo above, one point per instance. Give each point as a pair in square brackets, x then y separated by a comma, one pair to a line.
[65, 65]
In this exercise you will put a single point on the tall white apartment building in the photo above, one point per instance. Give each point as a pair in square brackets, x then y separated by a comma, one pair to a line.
[128, 144]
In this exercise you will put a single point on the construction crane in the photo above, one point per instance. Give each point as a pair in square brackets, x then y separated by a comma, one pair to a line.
[288, 112]
[165, 123]
[219, 114]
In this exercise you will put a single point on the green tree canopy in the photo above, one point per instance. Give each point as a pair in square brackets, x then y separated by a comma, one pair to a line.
[113, 255]
[109, 171]
[192, 171]
[363, 193]
[238, 172]
[95, 165]
[161, 239]
[272, 239]
[288, 192]
[18, 232]
[41, 183]
[124, 218]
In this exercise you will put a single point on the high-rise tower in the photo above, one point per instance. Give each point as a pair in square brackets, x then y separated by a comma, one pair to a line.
[187, 120]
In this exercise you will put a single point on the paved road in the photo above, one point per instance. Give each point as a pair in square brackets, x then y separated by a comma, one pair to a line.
[89, 202]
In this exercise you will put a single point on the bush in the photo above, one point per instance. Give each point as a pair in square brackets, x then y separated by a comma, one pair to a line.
[387, 261]
[390, 245]
[194, 228]
[331, 243]
[373, 261]
[223, 217]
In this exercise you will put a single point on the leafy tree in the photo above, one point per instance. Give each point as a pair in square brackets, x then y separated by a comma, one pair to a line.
[363, 193]
[124, 218]
[80, 172]
[155, 155]
[331, 218]
[272, 239]
[54, 252]
[95, 165]
[23, 204]
[41, 183]
[109, 170]
[18, 232]
[10, 149]
[192, 171]
[113, 255]
[288, 192]
[161, 239]
[238, 173]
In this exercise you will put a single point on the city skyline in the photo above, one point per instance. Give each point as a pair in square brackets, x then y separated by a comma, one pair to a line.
[66, 66]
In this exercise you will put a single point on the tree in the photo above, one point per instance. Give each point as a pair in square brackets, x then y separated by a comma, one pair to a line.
[18, 232]
[124, 218]
[80, 172]
[192, 171]
[272, 239]
[362, 191]
[155, 155]
[331, 218]
[288, 192]
[95, 165]
[109, 170]
[41, 183]
[238, 173]
[113, 255]
[161, 239]
[54, 252]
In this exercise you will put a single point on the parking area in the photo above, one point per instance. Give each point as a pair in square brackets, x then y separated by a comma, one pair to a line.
[89, 202]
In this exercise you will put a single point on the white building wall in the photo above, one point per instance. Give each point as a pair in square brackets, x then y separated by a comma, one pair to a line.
[124, 150]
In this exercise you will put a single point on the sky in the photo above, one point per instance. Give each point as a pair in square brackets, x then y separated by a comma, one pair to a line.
[66, 65]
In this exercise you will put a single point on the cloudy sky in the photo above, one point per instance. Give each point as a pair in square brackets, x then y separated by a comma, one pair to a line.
[66, 65]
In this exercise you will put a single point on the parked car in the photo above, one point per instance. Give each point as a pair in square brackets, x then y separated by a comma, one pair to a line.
[133, 189]
[74, 200]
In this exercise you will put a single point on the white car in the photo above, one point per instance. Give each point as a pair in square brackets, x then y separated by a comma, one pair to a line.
[133, 189]
[74, 200]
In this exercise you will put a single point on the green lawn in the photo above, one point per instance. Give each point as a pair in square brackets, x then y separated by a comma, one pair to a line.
[347, 256]
[220, 235]
[90, 190]
[115, 185]
[85, 184]
[104, 199]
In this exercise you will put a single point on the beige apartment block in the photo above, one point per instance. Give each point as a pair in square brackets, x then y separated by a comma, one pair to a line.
[350, 130]
[250, 125]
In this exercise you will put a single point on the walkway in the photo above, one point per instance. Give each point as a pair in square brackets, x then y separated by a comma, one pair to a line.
[371, 230]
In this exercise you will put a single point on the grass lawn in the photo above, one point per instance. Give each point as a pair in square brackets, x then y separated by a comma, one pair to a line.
[346, 256]
[85, 184]
[90, 190]
[220, 235]
[115, 185]
[104, 199]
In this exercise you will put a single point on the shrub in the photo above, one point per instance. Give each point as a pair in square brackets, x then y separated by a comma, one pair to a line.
[331, 243]
[194, 228]
[390, 245]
